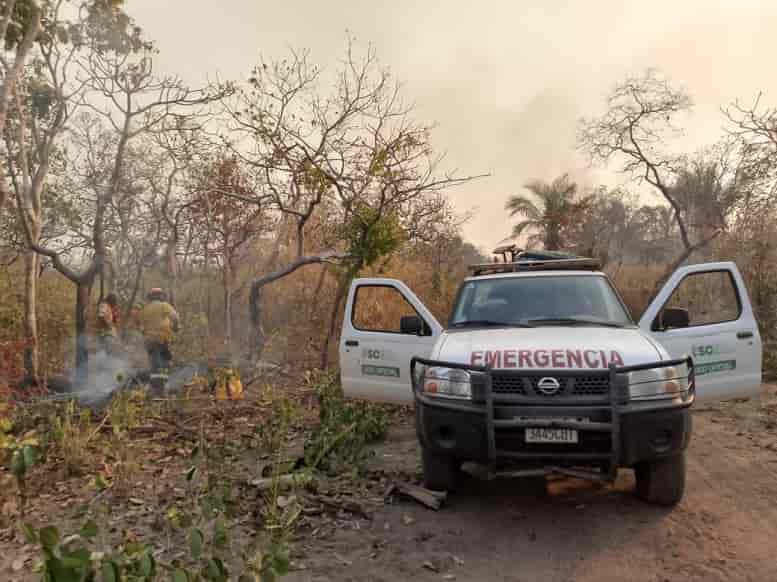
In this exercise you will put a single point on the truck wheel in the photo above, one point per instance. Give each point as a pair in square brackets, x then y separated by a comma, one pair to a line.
[661, 481]
[440, 472]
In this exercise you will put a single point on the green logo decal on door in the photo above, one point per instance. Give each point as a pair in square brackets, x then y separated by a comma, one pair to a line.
[713, 367]
[385, 371]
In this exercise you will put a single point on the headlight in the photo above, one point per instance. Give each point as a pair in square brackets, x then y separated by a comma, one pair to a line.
[418, 374]
[658, 383]
[446, 382]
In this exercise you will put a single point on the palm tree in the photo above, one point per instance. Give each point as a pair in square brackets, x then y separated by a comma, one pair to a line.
[554, 209]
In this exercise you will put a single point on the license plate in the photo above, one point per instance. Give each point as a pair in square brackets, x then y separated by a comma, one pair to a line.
[551, 435]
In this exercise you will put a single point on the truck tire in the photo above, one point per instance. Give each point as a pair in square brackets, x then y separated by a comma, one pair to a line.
[440, 472]
[661, 481]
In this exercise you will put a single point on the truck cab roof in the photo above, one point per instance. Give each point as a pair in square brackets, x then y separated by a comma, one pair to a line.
[536, 261]
[538, 273]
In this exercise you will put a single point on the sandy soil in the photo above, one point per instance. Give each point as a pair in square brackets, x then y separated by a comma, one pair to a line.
[725, 528]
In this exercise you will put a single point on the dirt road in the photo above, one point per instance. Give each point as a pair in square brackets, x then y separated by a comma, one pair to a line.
[725, 529]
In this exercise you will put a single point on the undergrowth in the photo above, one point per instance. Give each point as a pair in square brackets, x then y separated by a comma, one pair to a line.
[71, 430]
[198, 543]
[339, 444]
[197, 529]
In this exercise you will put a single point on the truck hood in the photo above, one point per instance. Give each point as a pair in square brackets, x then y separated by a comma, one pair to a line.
[547, 348]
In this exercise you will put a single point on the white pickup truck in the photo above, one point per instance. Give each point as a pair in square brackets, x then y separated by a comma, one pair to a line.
[542, 370]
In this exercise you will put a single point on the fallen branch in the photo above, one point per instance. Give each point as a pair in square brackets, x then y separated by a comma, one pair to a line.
[427, 497]
[98, 429]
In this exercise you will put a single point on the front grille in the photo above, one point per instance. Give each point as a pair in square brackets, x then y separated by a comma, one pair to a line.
[589, 385]
[508, 384]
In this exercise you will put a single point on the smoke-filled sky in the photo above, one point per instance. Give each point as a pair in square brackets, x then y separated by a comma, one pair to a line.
[505, 81]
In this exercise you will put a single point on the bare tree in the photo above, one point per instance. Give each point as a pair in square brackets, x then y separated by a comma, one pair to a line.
[709, 188]
[45, 97]
[230, 223]
[754, 127]
[356, 146]
[130, 100]
[18, 36]
[640, 117]
[184, 146]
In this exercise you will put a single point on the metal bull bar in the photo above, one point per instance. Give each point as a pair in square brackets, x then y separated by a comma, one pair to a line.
[612, 405]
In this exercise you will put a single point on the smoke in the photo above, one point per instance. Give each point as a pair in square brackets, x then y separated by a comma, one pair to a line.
[124, 368]
[505, 81]
[93, 383]
[105, 373]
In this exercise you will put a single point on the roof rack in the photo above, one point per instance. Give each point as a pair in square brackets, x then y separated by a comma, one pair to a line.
[531, 264]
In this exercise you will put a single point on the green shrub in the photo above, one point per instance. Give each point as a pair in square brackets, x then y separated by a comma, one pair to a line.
[339, 442]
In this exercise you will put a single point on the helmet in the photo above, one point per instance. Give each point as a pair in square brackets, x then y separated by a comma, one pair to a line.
[155, 293]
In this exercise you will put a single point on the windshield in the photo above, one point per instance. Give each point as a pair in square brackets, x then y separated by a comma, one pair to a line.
[535, 301]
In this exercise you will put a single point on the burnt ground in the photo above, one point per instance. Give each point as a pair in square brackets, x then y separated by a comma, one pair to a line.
[566, 529]
[725, 528]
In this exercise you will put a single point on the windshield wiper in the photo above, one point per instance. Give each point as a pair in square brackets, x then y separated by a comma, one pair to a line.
[572, 321]
[488, 323]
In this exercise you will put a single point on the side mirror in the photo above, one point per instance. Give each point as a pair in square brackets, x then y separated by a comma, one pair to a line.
[674, 317]
[410, 324]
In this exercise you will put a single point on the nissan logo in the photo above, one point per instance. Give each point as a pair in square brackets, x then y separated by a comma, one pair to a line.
[548, 386]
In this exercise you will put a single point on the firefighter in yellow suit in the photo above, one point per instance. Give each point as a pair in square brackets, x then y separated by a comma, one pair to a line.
[158, 321]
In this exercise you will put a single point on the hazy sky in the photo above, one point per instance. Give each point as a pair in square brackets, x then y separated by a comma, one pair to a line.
[505, 81]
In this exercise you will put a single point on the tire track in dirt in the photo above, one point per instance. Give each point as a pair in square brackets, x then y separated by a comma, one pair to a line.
[730, 515]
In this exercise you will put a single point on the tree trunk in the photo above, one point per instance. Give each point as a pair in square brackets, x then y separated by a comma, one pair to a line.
[31, 349]
[101, 275]
[172, 269]
[342, 288]
[22, 52]
[437, 271]
[82, 340]
[553, 239]
[135, 291]
[258, 337]
[227, 283]
[313, 301]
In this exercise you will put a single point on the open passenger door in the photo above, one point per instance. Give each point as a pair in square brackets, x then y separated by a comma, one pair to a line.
[704, 311]
[384, 326]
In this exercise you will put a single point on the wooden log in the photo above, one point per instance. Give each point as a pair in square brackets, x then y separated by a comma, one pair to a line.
[426, 497]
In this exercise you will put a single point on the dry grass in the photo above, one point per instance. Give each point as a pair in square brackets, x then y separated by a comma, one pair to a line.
[636, 285]
[297, 308]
